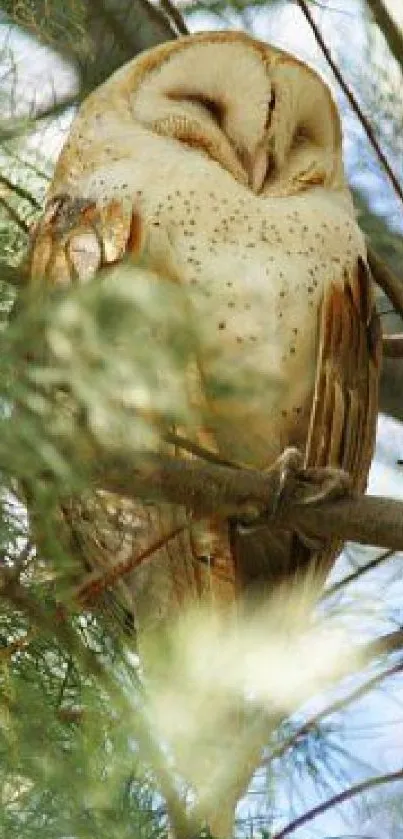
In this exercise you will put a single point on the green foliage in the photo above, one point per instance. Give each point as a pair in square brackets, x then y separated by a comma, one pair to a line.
[58, 23]
[68, 762]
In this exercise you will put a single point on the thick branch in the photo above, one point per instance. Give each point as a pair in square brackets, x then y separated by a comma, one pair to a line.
[208, 488]
[119, 30]
[390, 30]
[387, 280]
[175, 16]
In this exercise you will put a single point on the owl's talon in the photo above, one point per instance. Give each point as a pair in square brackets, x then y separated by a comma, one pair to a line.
[328, 482]
[313, 543]
[289, 466]
[335, 483]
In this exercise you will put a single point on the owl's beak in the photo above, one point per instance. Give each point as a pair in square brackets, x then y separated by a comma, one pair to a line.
[258, 167]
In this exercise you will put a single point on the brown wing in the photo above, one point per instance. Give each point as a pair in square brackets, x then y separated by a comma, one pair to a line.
[341, 431]
[343, 420]
[73, 241]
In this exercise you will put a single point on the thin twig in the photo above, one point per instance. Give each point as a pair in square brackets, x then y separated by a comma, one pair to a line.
[197, 450]
[357, 789]
[351, 98]
[20, 191]
[25, 162]
[97, 583]
[18, 126]
[334, 708]
[355, 575]
[16, 218]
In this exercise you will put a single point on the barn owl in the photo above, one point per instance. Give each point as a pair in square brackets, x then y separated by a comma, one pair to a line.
[217, 159]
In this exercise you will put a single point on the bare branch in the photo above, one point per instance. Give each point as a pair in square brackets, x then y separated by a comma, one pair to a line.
[173, 13]
[356, 789]
[20, 191]
[95, 584]
[119, 30]
[387, 280]
[15, 217]
[197, 450]
[210, 488]
[384, 645]
[18, 126]
[351, 98]
[333, 708]
[390, 30]
[363, 569]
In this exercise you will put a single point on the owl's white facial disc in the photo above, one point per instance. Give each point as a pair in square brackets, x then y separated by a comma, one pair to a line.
[223, 89]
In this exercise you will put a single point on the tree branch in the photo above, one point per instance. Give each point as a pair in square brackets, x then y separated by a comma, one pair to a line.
[352, 791]
[95, 584]
[387, 280]
[384, 645]
[175, 15]
[18, 126]
[351, 98]
[15, 217]
[390, 30]
[333, 708]
[20, 191]
[363, 569]
[210, 488]
[119, 30]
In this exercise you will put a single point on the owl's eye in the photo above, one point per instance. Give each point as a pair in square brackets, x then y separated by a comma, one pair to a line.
[214, 108]
[270, 109]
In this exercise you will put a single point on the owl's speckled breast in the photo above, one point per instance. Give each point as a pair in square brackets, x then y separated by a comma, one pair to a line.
[255, 269]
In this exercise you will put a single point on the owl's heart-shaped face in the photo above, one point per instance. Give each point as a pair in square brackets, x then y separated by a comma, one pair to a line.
[250, 107]
[262, 115]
